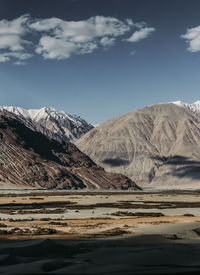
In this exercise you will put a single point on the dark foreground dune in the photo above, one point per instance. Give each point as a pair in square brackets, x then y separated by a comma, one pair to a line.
[147, 254]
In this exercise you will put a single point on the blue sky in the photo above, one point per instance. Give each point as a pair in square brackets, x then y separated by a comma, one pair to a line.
[86, 58]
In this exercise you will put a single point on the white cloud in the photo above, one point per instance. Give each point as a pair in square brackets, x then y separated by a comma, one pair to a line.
[55, 38]
[86, 48]
[16, 26]
[54, 48]
[45, 24]
[192, 37]
[66, 38]
[78, 37]
[19, 63]
[85, 30]
[6, 56]
[21, 55]
[12, 43]
[139, 35]
[11, 33]
[107, 41]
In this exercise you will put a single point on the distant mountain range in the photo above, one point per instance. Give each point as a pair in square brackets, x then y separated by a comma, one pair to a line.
[157, 146]
[29, 159]
[55, 124]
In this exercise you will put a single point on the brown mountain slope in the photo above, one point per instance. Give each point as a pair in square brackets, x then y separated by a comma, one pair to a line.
[159, 144]
[30, 159]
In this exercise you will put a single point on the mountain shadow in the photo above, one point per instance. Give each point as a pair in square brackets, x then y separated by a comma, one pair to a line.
[189, 168]
[115, 162]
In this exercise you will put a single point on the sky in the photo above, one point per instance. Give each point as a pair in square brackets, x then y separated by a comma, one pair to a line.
[99, 58]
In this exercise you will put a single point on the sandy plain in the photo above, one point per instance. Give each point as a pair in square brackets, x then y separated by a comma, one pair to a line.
[99, 232]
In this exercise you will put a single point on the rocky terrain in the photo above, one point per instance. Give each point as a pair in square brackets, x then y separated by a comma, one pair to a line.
[30, 159]
[155, 146]
[54, 124]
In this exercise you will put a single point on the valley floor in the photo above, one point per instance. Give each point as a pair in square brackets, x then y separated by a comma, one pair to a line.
[99, 232]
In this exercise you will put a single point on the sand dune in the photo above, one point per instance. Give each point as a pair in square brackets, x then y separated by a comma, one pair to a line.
[147, 254]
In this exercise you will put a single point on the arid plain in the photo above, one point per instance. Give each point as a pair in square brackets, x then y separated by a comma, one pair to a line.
[95, 232]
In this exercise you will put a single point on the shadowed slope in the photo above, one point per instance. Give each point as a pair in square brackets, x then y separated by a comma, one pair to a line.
[31, 159]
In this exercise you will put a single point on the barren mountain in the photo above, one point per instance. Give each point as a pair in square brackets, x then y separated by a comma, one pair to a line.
[158, 146]
[55, 124]
[30, 159]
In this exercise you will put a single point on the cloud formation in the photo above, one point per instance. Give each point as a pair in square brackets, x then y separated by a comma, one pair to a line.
[140, 35]
[192, 37]
[6, 56]
[66, 38]
[55, 38]
[12, 41]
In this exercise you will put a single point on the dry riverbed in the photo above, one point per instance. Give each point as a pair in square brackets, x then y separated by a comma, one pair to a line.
[81, 215]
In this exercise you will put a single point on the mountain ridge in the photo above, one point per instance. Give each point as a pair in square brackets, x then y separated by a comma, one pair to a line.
[29, 159]
[195, 107]
[54, 124]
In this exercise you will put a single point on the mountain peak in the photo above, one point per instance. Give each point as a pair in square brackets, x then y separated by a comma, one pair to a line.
[195, 107]
[179, 102]
[47, 120]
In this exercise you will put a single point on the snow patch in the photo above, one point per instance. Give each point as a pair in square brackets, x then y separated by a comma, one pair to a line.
[41, 114]
[195, 107]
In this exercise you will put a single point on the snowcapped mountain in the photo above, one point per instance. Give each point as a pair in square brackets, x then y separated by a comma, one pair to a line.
[195, 107]
[54, 124]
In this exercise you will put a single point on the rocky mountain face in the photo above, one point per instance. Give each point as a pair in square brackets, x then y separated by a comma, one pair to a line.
[158, 146]
[30, 159]
[54, 124]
